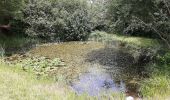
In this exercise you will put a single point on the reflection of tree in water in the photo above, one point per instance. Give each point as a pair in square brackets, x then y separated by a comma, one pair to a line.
[115, 61]
[120, 64]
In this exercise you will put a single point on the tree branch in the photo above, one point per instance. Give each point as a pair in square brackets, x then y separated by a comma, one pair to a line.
[157, 32]
[167, 6]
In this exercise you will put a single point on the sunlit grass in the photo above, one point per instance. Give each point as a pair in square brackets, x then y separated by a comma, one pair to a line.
[157, 86]
[136, 41]
[16, 84]
[139, 41]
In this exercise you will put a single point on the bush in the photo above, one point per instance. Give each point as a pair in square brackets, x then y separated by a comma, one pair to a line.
[10, 9]
[18, 27]
[139, 18]
[98, 15]
[62, 19]
[162, 64]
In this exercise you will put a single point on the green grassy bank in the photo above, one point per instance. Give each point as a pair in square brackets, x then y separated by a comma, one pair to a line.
[19, 85]
[157, 86]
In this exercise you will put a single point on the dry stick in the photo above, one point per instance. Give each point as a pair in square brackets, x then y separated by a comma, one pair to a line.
[156, 32]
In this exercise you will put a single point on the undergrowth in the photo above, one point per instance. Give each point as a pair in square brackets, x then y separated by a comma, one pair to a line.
[158, 84]
[16, 41]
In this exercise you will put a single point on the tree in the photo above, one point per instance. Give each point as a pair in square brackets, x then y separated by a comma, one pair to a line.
[9, 9]
[64, 19]
[98, 9]
[149, 18]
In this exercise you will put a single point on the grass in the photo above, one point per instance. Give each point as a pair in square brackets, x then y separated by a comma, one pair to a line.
[16, 84]
[14, 44]
[137, 41]
[15, 41]
[156, 87]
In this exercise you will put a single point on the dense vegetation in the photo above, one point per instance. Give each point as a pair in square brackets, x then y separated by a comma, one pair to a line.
[75, 19]
[61, 19]
[139, 24]
[141, 18]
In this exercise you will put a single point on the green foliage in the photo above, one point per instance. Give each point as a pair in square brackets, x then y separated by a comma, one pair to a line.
[165, 59]
[131, 41]
[10, 8]
[100, 36]
[162, 64]
[156, 86]
[2, 51]
[61, 19]
[11, 14]
[18, 85]
[98, 14]
[139, 18]
[18, 27]
[16, 41]
[41, 65]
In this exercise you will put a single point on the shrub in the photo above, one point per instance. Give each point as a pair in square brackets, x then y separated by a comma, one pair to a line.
[10, 9]
[98, 15]
[63, 19]
[140, 18]
[162, 64]
[18, 27]
[100, 36]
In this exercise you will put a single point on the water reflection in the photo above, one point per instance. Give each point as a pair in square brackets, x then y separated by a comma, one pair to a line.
[111, 70]
[96, 82]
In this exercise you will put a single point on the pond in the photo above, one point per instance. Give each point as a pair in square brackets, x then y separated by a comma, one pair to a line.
[95, 67]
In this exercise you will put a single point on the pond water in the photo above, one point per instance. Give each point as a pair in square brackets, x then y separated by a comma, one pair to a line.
[95, 67]
[96, 82]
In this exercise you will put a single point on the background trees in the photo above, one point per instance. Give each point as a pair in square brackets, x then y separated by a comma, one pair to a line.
[10, 9]
[140, 18]
[75, 19]
[63, 19]
[98, 9]
[11, 17]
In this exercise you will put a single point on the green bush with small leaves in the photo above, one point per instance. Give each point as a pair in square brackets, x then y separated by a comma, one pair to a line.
[65, 20]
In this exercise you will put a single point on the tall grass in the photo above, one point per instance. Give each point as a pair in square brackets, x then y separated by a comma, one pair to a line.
[136, 41]
[16, 84]
[158, 84]
[15, 41]
[2, 51]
